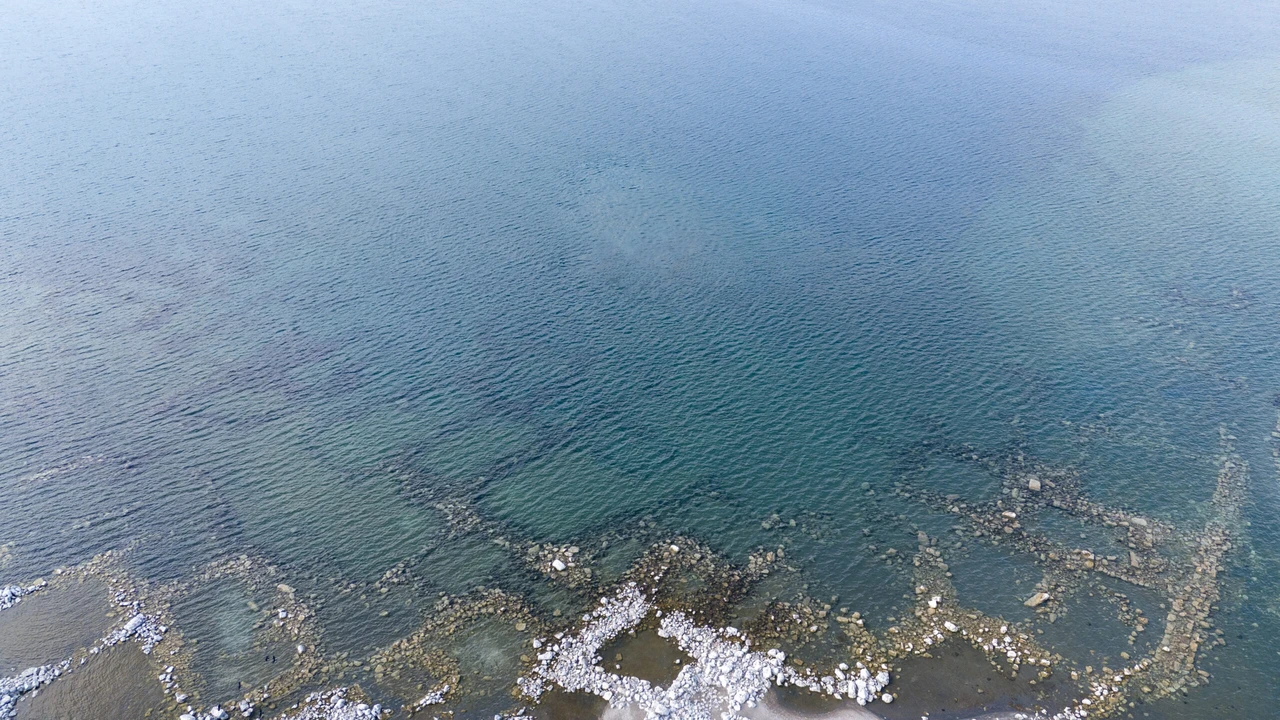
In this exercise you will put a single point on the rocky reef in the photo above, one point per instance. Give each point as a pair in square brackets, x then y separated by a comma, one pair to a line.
[739, 638]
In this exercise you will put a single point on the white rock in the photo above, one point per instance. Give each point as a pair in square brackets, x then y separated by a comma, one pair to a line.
[1035, 600]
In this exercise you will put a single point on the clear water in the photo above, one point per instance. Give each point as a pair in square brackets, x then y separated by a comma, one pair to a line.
[601, 261]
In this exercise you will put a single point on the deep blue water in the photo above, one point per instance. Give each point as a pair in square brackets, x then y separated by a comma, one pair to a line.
[596, 262]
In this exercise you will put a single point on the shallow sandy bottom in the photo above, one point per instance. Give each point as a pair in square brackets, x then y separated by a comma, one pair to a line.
[117, 684]
[771, 709]
[50, 625]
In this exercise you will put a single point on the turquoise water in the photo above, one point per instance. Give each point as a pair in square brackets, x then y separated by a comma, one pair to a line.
[274, 273]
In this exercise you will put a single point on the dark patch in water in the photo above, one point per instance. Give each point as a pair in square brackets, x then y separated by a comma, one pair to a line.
[646, 656]
[959, 682]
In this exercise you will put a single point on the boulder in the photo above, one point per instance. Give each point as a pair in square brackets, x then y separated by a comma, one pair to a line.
[1036, 600]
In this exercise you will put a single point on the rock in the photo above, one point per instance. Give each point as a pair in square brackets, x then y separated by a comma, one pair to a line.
[520, 626]
[1033, 485]
[134, 623]
[950, 626]
[1036, 600]
[217, 713]
[285, 589]
[1134, 560]
[886, 698]
[558, 564]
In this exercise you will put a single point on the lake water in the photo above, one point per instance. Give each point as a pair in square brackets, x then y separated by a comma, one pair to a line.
[309, 282]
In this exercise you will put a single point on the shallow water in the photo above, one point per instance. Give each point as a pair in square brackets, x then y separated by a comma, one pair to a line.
[47, 627]
[365, 290]
[116, 685]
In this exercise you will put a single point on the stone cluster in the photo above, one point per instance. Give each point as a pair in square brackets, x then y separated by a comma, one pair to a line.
[435, 697]
[566, 563]
[726, 675]
[334, 705]
[11, 595]
[30, 679]
[145, 629]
